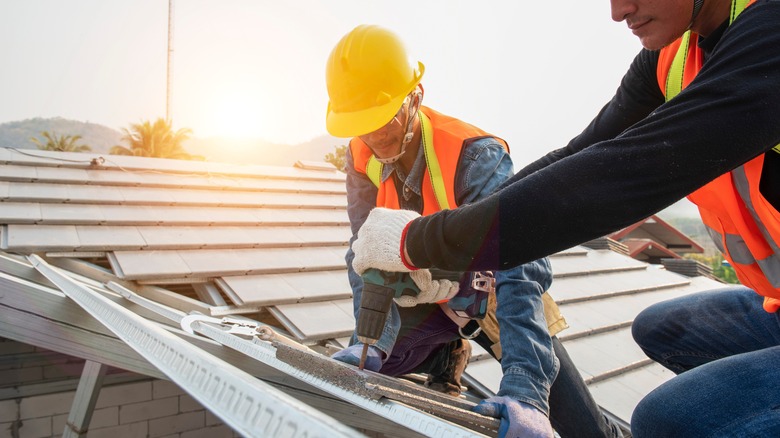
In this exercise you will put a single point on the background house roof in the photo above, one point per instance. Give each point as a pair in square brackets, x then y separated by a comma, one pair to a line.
[656, 229]
[266, 244]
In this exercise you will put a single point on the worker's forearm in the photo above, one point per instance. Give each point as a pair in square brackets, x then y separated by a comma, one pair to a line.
[427, 243]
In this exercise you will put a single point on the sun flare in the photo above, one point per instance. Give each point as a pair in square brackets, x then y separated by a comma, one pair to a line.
[237, 115]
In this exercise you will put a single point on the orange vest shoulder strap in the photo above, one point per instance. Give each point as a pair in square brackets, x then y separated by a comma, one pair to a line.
[680, 62]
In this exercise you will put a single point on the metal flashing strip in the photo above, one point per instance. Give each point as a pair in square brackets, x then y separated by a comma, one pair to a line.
[168, 312]
[356, 387]
[397, 412]
[248, 405]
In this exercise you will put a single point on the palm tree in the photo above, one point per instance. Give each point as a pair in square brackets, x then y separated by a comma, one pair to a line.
[63, 143]
[156, 139]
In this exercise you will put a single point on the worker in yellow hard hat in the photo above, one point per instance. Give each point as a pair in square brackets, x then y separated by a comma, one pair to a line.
[408, 157]
[371, 83]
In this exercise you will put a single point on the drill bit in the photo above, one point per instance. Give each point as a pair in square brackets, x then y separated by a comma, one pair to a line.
[363, 357]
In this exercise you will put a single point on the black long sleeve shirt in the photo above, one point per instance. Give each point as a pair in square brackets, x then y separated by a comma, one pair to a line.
[638, 156]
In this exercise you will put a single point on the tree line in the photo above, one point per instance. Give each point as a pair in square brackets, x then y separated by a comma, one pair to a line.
[146, 139]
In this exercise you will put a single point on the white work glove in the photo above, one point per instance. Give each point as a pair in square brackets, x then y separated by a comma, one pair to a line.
[431, 291]
[378, 243]
[517, 419]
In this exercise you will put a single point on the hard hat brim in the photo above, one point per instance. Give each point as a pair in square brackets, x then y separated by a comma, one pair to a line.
[362, 122]
[356, 123]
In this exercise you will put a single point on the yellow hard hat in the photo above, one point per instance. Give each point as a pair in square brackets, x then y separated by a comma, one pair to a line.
[368, 76]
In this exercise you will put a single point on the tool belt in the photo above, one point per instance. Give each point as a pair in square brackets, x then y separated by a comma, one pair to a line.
[489, 325]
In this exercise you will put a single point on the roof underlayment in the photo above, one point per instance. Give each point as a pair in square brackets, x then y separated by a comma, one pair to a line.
[103, 257]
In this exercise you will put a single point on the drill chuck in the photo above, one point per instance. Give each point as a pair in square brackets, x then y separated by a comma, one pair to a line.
[375, 304]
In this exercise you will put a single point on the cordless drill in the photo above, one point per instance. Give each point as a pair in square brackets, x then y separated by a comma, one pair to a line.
[379, 289]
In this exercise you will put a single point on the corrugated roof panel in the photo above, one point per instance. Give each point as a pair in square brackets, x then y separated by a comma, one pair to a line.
[331, 321]
[107, 238]
[588, 315]
[264, 290]
[77, 214]
[594, 261]
[215, 262]
[144, 196]
[598, 354]
[290, 186]
[573, 251]
[48, 158]
[130, 163]
[118, 177]
[90, 194]
[621, 394]
[19, 212]
[180, 215]
[592, 314]
[174, 237]
[158, 165]
[653, 375]
[37, 192]
[301, 216]
[17, 173]
[30, 238]
[64, 175]
[258, 290]
[147, 265]
[187, 237]
[573, 288]
[323, 235]
[130, 215]
[173, 180]
[321, 201]
[222, 197]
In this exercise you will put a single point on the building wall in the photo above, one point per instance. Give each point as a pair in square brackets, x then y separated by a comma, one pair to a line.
[37, 388]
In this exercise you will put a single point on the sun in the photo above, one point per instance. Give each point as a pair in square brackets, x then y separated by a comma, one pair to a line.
[237, 115]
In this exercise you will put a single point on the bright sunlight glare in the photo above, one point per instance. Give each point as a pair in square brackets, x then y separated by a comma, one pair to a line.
[237, 115]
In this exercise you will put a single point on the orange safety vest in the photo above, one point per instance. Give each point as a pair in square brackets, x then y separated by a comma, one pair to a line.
[743, 224]
[443, 138]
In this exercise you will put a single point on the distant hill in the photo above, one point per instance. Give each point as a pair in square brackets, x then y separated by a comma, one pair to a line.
[262, 152]
[101, 138]
[17, 134]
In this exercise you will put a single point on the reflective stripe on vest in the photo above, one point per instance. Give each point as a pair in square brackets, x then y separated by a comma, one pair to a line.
[445, 138]
[745, 232]
[770, 266]
[374, 167]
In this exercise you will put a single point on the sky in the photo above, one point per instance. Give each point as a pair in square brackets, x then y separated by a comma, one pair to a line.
[533, 73]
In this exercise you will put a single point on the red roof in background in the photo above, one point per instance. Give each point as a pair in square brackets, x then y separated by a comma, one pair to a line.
[649, 248]
[656, 229]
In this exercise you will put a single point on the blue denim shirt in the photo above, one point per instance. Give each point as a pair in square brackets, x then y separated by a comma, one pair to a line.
[529, 364]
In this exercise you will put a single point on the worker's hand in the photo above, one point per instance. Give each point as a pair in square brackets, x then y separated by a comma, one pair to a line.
[518, 419]
[378, 243]
[431, 291]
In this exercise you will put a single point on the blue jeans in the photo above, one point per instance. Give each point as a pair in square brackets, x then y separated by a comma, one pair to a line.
[528, 360]
[726, 350]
